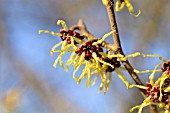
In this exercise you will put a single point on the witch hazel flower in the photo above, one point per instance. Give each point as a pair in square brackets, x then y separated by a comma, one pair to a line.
[120, 4]
[113, 61]
[166, 67]
[68, 37]
[89, 49]
[106, 75]
[83, 52]
[156, 92]
[89, 54]
[155, 95]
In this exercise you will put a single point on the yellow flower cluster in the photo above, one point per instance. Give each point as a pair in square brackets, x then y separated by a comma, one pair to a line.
[120, 4]
[157, 93]
[88, 54]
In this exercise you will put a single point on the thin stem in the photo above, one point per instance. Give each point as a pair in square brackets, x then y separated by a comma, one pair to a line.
[119, 50]
[81, 27]
[117, 43]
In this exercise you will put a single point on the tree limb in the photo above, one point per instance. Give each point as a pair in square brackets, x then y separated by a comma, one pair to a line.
[119, 50]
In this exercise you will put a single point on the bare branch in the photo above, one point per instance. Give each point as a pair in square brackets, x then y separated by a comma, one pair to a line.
[82, 28]
[119, 50]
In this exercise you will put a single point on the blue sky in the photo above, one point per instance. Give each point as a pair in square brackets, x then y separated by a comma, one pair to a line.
[24, 19]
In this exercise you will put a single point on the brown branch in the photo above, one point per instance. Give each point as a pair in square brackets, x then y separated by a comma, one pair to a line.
[116, 48]
[82, 28]
[119, 50]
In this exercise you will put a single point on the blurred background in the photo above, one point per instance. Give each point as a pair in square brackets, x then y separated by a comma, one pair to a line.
[30, 84]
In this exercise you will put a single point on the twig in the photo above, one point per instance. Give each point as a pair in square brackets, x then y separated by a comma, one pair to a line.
[119, 50]
[82, 28]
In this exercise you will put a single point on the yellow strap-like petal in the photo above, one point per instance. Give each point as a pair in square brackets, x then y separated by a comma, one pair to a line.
[130, 56]
[82, 75]
[63, 44]
[70, 60]
[68, 50]
[100, 88]
[61, 62]
[120, 75]
[103, 38]
[135, 107]
[58, 58]
[54, 47]
[108, 82]
[161, 84]
[119, 6]
[136, 15]
[78, 40]
[49, 32]
[105, 2]
[108, 64]
[155, 55]
[109, 78]
[167, 89]
[146, 71]
[138, 86]
[130, 9]
[95, 79]
[160, 78]
[77, 65]
[61, 22]
[111, 56]
[88, 74]
[151, 77]
[140, 107]
[143, 105]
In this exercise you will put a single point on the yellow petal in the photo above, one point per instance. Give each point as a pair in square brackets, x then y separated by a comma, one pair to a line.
[161, 84]
[109, 78]
[151, 77]
[82, 75]
[136, 15]
[105, 2]
[132, 55]
[167, 89]
[88, 75]
[70, 60]
[120, 75]
[58, 58]
[119, 6]
[138, 86]
[77, 65]
[95, 79]
[54, 47]
[100, 88]
[108, 64]
[103, 38]
[160, 78]
[146, 71]
[155, 55]
[78, 40]
[61, 22]
[49, 32]
[61, 62]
